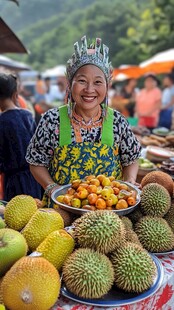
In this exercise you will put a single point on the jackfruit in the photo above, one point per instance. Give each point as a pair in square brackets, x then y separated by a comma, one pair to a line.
[56, 247]
[32, 283]
[19, 210]
[42, 223]
[159, 177]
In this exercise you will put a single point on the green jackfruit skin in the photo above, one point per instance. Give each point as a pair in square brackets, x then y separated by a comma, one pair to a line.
[88, 274]
[42, 223]
[127, 222]
[155, 200]
[100, 230]
[155, 234]
[19, 211]
[134, 269]
[169, 217]
[56, 247]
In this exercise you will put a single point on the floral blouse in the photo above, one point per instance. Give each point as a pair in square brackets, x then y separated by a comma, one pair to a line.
[46, 138]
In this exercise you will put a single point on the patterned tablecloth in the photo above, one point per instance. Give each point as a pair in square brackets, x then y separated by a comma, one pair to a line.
[163, 299]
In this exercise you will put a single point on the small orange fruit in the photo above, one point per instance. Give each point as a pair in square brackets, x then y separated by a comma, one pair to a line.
[100, 204]
[92, 188]
[92, 198]
[121, 204]
[131, 201]
[124, 186]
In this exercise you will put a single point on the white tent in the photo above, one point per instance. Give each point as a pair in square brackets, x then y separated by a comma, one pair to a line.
[166, 56]
[55, 72]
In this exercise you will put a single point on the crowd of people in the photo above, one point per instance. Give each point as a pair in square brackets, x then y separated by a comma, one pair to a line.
[152, 105]
[78, 126]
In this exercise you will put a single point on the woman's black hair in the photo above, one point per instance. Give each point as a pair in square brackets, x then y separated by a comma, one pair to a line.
[8, 85]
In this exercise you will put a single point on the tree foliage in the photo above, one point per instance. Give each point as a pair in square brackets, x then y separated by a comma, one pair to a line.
[134, 30]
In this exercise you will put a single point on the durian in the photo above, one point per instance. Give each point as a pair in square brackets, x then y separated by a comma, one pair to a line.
[56, 247]
[127, 222]
[134, 269]
[131, 236]
[19, 210]
[88, 274]
[155, 200]
[42, 223]
[100, 230]
[135, 215]
[159, 177]
[155, 234]
[169, 217]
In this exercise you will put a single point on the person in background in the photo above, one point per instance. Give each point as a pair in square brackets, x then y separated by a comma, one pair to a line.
[167, 102]
[148, 103]
[16, 129]
[40, 89]
[84, 137]
[129, 92]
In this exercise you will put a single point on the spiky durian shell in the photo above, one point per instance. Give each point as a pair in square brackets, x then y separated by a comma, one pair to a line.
[131, 236]
[100, 230]
[134, 268]
[155, 200]
[135, 215]
[127, 222]
[88, 274]
[169, 217]
[155, 234]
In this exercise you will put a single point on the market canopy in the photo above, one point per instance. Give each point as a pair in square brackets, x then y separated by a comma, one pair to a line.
[12, 64]
[9, 42]
[162, 62]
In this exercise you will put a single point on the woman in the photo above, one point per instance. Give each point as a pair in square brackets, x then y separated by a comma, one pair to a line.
[84, 137]
[148, 103]
[16, 129]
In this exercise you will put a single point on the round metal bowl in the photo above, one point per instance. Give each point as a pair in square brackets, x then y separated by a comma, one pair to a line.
[63, 189]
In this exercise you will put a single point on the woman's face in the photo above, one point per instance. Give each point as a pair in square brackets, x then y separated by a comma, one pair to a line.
[89, 87]
[150, 83]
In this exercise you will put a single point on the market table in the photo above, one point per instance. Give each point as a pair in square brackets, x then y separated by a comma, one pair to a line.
[163, 299]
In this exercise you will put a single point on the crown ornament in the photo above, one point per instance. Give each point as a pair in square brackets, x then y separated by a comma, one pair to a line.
[95, 54]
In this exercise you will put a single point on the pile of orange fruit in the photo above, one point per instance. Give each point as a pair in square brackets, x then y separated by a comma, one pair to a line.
[99, 193]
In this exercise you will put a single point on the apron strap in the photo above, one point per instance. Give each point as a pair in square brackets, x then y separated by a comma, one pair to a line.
[64, 127]
[107, 129]
[107, 136]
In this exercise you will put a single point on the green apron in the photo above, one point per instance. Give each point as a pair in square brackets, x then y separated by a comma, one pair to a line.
[76, 160]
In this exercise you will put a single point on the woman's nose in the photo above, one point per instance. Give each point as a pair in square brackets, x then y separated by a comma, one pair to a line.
[89, 87]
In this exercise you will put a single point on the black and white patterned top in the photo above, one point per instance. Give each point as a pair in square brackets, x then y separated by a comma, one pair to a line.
[46, 138]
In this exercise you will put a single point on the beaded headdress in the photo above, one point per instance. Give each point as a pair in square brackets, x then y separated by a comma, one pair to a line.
[95, 54]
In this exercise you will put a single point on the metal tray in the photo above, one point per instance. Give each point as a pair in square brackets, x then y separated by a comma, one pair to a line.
[117, 297]
[163, 253]
[63, 189]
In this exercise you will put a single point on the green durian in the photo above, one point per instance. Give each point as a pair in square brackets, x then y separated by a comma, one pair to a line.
[88, 274]
[155, 200]
[155, 234]
[134, 269]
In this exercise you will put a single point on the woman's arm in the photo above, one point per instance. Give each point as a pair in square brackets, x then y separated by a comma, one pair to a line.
[41, 175]
[130, 173]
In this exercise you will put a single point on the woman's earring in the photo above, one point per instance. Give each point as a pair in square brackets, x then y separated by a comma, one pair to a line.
[70, 104]
[105, 108]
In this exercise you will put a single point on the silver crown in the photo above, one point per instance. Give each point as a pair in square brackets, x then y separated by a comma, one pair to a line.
[95, 56]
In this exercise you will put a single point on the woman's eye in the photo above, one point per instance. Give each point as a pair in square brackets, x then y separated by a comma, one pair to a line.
[98, 82]
[82, 81]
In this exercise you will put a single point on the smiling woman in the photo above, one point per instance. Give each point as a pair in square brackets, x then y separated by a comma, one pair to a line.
[85, 126]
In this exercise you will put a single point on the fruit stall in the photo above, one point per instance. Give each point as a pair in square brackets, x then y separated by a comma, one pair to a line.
[105, 244]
